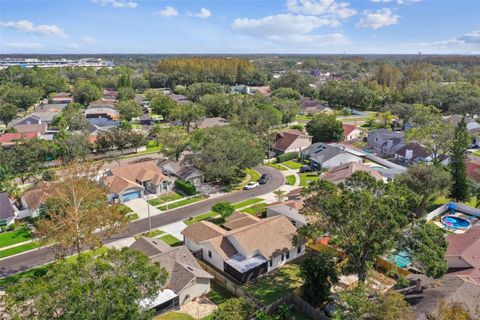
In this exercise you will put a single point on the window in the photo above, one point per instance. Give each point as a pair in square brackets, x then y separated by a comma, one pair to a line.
[299, 249]
[288, 255]
[270, 263]
[283, 257]
[209, 253]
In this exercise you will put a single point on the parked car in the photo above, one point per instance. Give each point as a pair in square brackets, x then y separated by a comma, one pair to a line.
[306, 169]
[251, 185]
[263, 179]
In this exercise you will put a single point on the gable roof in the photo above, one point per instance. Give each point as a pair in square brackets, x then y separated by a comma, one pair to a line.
[24, 128]
[11, 138]
[36, 195]
[311, 106]
[417, 151]
[341, 172]
[466, 246]
[239, 220]
[289, 209]
[349, 128]
[286, 138]
[203, 230]
[6, 209]
[51, 107]
[180, 264]
[321, 152]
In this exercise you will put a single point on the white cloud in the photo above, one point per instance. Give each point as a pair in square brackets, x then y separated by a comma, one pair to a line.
[327, 8]
[472, 37]
[378, 19]
[317, 40]
[203, 14]
[280, 25]
[396, 1]
[73, 45]
[30, 27]
[168, 11]
[117, 3]
[88, 39]
[24, 45]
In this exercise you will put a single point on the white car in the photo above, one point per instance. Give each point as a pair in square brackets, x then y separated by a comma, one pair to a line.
[251, 185]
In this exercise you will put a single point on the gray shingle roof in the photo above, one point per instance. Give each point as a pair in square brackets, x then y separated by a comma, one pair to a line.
[6, 209]
[321, 152]
[150, 247]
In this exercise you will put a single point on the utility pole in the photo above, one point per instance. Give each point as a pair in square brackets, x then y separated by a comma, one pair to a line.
[149, 220]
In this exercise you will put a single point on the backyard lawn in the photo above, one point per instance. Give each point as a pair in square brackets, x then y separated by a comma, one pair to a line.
[291, 180]
[306, 178]
[19, 249]
[171, 240]
[218, 294]
[294, 165]
[165, 198]
[18, 235]
[277, 284]
[181, 203]
[247, 203]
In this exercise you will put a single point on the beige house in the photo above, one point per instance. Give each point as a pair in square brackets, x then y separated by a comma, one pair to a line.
[291, 141]
[341, 172]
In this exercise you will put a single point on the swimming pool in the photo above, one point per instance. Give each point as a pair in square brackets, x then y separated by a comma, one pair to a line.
[401, 259]
[456, 223]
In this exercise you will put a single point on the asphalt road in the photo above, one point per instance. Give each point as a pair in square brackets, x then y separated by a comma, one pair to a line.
[45, 255]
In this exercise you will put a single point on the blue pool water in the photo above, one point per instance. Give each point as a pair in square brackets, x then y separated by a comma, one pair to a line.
[401, 259]
[455, 222]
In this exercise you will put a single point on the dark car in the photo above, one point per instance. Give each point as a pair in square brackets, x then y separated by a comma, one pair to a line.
[306, 169]
[263, 179]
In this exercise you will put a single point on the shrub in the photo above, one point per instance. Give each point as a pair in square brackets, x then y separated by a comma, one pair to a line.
[287, 156]
[11, 226]
[402, 282]
[4, 228]
[186, 187]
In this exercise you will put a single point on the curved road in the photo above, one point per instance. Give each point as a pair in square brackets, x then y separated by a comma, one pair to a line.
[45, 255]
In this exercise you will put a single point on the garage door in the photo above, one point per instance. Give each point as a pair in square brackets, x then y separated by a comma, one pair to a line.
[131, 195]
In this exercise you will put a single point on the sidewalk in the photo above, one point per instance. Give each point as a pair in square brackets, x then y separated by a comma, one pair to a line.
[16, 244]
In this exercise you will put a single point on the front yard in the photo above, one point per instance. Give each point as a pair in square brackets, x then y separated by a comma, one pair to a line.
[171, 240]
[19, 249]
[8, 238]
[164, 198]
[307, 178]
[276, 166]
[273, 286]
[182, 203]
[294, 165]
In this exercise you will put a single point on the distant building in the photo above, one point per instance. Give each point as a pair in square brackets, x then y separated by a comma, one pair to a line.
[62, 97]
[351, 132]
[9, 139]
[51, 107]
[206, 123]
[384, 141]
[309, 106]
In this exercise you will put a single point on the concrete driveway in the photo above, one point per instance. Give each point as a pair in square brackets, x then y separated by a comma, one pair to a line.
[140, 207]
[175, 229]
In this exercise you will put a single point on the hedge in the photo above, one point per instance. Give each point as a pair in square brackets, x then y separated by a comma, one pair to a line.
[186, 187]
[287, 156]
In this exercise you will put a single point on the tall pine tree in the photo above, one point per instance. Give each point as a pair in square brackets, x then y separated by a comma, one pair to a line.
[458, 162]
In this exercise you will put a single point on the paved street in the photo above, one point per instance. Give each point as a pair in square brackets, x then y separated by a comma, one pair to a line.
[42, 256]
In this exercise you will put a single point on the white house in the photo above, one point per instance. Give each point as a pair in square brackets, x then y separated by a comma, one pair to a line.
[247, 251]
[289, 209]
[351, 132]
[324, 156]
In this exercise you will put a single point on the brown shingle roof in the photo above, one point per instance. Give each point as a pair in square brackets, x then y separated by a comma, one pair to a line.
[286, 138]
[466, 245]
[239, 220]
[203, 230]
[223, 247]
[24, 128]
[473, 171]
[341, 172]
[36, 195]
[150, 247]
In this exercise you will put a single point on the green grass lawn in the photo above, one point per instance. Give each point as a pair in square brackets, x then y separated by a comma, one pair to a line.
[152, 146]
[171, 196]
[277, 284]
[294, 165]
[172, 315]
[303, 118]
[246, 203]
[132, 216]
[18, 235]
[306, 178]
[181, 203]
[252, 176]
[124, 209]
[19, 249]
[476, 153]
[276, 166]
[200, 217]
[154, 233]
[218, 294]
[256, 209]
[291, 180]
[171, 240]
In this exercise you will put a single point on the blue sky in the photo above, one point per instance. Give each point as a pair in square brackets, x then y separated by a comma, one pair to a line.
[249, 26]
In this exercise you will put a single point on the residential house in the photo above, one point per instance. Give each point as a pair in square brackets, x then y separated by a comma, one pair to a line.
[41, 128]
[110, 94]
[264, 91]
[309, 106]
[130, 181]
[186, 279]
[463, 254]
[35, 118]
[102, 116]
[384, 141]
[239, 220]
[473, 171]
[340, 173]
[62, 97]
[414, 153]
[9, 139]
[247, 251]
[291, 141]
[323, 156]
[241, 88]
[289, 209]
[206, 123]
[7, 212]
[425, 297]
[33, 199]
[102, 103]
[51, 107]
[181, 170]
[351, 132]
